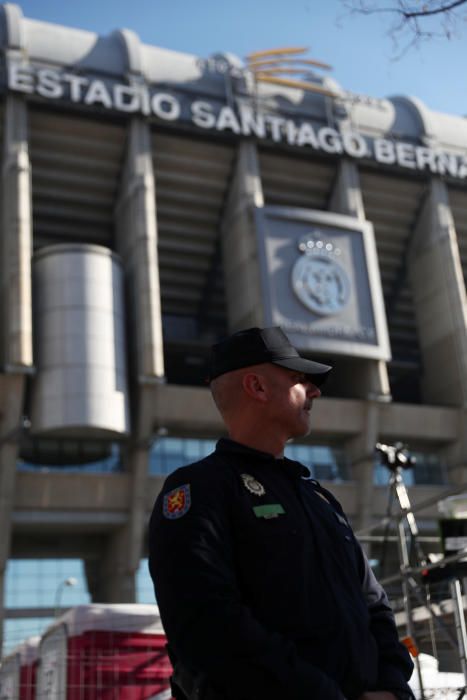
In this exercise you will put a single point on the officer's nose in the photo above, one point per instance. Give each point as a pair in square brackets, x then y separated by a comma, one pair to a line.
[313, 392]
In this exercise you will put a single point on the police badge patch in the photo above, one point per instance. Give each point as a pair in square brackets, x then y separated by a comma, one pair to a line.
[177, 502]
[252, 485]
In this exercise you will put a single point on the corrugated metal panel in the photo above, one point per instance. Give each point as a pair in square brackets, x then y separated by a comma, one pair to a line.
[192, 178]
[76, 164]
[296, 181]
[458, 203]
[392, 204]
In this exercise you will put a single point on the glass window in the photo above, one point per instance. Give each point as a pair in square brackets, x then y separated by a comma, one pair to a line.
[325, 462]
[72, 456]
[144, 586]
[17, 631]
[41, 583]
[169, 453]
[35, 583]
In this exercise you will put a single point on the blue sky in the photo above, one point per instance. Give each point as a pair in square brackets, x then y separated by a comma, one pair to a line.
[358, 47]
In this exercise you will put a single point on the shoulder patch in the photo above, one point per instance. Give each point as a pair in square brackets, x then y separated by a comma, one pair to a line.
[177, 502]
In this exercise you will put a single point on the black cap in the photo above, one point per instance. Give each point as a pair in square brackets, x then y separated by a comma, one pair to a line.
[257, 345]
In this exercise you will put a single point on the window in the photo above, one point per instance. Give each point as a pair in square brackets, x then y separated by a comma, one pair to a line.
[40, 583]
[167, 454]
[71, 456]
[325, 462]
[144, 585]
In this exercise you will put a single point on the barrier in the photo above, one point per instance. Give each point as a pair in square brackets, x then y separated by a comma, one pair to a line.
[18, 671]
[104, 652]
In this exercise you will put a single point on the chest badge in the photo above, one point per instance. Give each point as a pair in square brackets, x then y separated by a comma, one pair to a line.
[252, 485]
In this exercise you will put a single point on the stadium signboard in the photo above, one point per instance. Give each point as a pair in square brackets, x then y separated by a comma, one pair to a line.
[241, 117]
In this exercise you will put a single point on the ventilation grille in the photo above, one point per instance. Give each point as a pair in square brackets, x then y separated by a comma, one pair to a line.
[392, 204]
[192, 179]
[76, 164]
[296, 182]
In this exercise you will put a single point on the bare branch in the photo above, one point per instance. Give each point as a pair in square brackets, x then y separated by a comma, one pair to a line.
[427, 12]
[409, 28]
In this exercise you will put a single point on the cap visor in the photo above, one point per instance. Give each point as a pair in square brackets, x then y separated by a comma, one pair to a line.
[316, 370]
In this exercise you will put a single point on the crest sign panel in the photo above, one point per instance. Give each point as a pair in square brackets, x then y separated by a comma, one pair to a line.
[320, 281]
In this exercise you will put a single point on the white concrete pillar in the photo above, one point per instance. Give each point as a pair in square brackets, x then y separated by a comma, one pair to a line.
[136, 235]
[113, 578]
[456, 453]
[361, 450]
[239, 244]
[440, 303]
[369, 377]
[16, 355]
[137, 463]
[136, 232]
[11, 404]
[16, 240]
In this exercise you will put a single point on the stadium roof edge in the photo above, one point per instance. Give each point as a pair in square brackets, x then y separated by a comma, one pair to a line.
[121, 54]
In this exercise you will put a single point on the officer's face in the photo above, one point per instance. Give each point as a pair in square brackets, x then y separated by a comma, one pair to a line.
[291, 397]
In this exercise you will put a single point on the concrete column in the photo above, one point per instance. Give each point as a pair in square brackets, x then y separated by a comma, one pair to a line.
[136, 236]
[456, 454]
[369, 377]
[239, 245]
[127, 545]
[361, 451]
[438, 289]
[109, 578]
[16, 356]
[346, 197]
[11, 404]
[112, 579]
[16, 243]
[136, 231]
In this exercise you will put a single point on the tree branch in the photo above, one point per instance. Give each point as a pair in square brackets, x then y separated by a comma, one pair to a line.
[437, 11]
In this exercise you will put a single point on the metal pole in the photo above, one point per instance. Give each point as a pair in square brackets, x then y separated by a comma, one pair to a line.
[404, 556]
[403, 498]
[456, 595]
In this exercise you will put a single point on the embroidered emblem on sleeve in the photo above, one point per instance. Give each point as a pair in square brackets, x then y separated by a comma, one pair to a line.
[252, 485]
[177, 502]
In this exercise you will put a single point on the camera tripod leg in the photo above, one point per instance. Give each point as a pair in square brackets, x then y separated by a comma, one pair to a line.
[404, 560]
[456, 595]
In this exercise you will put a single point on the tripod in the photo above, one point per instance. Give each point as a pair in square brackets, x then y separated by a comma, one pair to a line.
[396, 458]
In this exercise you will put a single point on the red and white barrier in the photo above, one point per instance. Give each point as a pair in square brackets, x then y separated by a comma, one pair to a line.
[104, 652]
[18, 672]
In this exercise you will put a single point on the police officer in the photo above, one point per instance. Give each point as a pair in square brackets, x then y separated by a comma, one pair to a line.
[263, 590]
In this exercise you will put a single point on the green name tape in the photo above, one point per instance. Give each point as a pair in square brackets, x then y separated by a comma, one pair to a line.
[270, 510]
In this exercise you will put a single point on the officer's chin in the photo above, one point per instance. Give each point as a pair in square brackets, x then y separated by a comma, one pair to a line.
[300, 433]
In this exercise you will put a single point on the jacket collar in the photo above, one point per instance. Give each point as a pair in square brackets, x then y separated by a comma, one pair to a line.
[227, 446]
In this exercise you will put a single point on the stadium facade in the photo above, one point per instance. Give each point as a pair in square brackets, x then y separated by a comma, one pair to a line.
[153, 201]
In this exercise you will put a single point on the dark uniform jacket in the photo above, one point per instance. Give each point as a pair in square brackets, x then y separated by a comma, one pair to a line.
[262, 586]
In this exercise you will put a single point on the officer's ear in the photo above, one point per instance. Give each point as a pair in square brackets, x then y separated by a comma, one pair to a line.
[254, 386]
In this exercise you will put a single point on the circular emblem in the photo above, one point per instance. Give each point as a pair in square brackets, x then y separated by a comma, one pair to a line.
[318, 281]
[252, 485]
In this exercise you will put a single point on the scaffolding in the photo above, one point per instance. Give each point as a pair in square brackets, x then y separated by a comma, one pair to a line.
[428, 591]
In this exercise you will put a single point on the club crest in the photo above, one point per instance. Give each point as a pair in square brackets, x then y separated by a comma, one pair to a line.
[252, 485]
[319, 282]
[177, 502]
